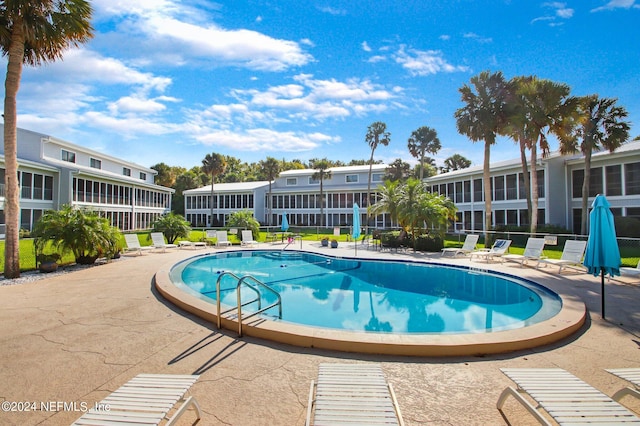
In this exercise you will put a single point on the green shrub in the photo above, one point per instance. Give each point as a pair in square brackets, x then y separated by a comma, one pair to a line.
[429, 242]
[244, 219]
[173, 226]
[79, 231]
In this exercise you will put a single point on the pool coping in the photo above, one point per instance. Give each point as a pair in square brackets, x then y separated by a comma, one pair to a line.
[569, 320]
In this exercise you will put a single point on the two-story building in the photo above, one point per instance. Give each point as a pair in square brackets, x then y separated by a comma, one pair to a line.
[53, 172]
[616, 175]
[294, 192]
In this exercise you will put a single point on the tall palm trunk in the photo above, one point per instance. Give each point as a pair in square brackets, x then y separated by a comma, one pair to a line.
[366, 226]
[525, 176]
[321, 202]
[486, 178]
[12, 193]
[585, 191]
[212, 195]
[534, 189]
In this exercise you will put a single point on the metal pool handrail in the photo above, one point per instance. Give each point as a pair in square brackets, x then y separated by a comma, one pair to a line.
[241, 281]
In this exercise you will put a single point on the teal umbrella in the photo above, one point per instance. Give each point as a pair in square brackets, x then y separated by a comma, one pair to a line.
[285, 223]
[355, 232]
[602, 255]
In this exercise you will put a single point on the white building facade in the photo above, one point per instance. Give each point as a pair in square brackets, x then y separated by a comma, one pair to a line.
[53, 172]
[295, 193]
[616, 175]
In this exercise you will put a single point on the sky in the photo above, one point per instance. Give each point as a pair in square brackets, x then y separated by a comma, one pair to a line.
[171, 81]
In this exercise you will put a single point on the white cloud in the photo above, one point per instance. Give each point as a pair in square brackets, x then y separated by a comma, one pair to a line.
[241, 47]
[478, 38]
[263, 139]
[425, 62]
[365, 47]
[560, 11]
[617, 4]
[445, 37]
[377, 58]
[138, 105]
[332, 11]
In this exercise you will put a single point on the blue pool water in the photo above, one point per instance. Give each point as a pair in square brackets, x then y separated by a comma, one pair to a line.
[373, 296]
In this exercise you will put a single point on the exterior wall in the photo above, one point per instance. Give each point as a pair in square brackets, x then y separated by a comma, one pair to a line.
[558, 205]
[40, 154]
[297, 195]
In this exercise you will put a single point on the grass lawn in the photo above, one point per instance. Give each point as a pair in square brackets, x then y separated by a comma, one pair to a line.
[629, 255]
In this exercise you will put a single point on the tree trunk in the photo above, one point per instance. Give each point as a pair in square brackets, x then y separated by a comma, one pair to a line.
[366, 227]
[212, 194]
[525, 177]
[12, 193]
[534, 189]
[585, 191]
[486, 177]
[321, 202]
[421, 166]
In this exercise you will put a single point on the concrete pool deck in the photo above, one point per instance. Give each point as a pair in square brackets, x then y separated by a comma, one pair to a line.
[76, 337]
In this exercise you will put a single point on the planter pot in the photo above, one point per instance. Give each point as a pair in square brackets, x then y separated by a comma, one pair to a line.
[325, 243]
[48, 267]
[86, 260]
[334, 244]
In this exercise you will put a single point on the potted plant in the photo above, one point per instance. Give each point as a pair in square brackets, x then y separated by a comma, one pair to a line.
[334, 243]
[324, 242]
[48, 262]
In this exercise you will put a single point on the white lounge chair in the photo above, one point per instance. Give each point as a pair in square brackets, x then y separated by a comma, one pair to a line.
[630, 272]
[247, 238]
[631, 375]
[133, 244]
[571, 256]
[210, 235]
[566, 398]
[145, 399]
[157, 239]
[222, 239]
[498, 249]
[193, 244]
[352, 394]
[468, 246]
[532, 252]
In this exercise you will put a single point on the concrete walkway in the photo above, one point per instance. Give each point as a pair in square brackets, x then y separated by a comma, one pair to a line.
[76, 337]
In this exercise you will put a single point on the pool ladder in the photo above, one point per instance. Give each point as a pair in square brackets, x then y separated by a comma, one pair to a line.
[242, 281]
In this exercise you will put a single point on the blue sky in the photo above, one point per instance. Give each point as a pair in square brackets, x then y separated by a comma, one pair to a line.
[170, 81]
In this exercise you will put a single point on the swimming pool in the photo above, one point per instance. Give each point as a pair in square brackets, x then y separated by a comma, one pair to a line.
[372, 296]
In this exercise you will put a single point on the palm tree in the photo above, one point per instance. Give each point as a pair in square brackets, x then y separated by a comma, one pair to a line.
[423, 141]
[398, 170]
[32, 33]
[376, 135]
[456, 162]
[481, 119]
[545, 104]
[322, 172]
[213, 164]
[388, 201]
[600, 124]
[270, 168]
[516, 128]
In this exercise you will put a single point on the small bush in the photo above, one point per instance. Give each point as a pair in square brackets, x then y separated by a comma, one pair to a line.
[429, 242]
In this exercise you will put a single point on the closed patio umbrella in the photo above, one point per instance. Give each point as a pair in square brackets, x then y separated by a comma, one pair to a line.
[602, 255]
[355, 232]
[285, 223]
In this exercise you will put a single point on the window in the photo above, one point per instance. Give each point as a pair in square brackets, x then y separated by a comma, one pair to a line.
[143, 176]
[96, 164]
[68, 156]
[313, 181]
[613, 175]
[377, 177]
[512, 187]
[632, 179]
[467, 191]
[458, 192]
[477, 190]
[292, 181]
[126, 171]
[577, 177]
[541, 185]
[352, 178]
[595, 182]
[498, 188]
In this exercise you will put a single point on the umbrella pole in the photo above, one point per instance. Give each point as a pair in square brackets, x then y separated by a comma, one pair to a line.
[602, 280]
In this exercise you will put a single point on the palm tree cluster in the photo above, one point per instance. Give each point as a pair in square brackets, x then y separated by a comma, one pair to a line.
[528, 110]
[414, 208]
